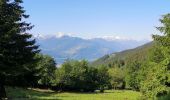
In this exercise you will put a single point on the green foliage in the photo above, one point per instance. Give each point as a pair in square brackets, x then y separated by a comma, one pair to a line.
[154, 83]
[117, 77]
[78, 76]
[102, 77]
[72, 75]
[132, 73]
[158, 73]
[164, 97]
[47, 67]
[17, 48]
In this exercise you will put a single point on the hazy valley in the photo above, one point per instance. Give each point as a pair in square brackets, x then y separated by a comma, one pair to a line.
[67, 47]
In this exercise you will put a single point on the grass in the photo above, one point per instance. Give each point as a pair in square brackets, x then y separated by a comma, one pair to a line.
[38, 94]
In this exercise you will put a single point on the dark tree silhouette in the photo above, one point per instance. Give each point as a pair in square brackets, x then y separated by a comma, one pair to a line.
[17, 48]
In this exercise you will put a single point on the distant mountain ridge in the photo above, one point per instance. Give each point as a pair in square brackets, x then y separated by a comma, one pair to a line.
[67, 47]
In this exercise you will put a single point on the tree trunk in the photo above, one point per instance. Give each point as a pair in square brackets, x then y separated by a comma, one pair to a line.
[102, 89]
[2, 89]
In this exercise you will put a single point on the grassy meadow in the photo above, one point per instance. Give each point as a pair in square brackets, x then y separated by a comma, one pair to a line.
[39, 94]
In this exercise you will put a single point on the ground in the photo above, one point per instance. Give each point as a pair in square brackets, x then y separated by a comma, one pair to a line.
[39, 94]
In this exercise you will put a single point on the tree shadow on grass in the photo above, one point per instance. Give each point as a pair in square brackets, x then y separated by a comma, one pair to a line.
[29, 94]
[115, 91]
[38, 94]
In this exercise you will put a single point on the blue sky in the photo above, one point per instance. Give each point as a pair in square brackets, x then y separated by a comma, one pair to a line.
[134, 19]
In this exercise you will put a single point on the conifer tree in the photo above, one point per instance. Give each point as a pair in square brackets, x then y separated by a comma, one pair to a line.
[17, 48]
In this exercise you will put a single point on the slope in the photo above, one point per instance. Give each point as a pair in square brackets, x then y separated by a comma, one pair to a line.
[140, 52]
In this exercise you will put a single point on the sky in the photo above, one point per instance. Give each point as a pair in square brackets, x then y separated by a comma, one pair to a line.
[131, 19]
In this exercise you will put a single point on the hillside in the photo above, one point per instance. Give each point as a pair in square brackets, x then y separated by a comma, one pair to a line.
[137, 53]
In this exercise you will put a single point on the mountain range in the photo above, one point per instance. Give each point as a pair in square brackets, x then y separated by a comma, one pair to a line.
[68, 47]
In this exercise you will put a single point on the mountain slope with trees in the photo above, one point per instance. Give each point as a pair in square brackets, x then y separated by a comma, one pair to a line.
[140, 52]
[146, 68]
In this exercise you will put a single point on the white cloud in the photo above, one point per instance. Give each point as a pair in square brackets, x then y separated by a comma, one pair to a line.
[115, 38]
[105, 37]
[61, 34]
[112, 37]
[56, 35]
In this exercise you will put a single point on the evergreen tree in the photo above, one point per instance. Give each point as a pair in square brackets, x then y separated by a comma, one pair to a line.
[158, 72]
[17, 48]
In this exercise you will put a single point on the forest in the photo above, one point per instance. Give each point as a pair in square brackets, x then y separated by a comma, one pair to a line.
[145, 69]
